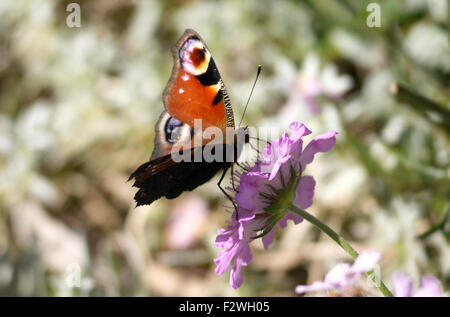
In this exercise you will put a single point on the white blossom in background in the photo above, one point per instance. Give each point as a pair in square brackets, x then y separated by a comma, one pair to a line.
[60, 245]
[32, 128]
[374, 99]
[435, 40]
[6, 142]
[24, 142]
[394, 129]
[439, 10]
[306, 87]
[414, 6]
[397, 226]
[313, 82]
[364, 53]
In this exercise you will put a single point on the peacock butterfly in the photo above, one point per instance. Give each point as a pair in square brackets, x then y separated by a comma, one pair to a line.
[195, 91]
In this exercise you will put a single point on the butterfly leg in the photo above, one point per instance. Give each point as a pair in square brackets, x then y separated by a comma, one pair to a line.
[262, 140]
[241, 166]
[225, 193]
[232, 177]
[257, 147]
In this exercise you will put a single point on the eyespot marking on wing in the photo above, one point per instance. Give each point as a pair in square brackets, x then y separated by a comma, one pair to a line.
[194, 57]
[172, 129]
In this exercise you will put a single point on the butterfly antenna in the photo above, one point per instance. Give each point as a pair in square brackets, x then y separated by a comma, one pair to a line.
[251, 92]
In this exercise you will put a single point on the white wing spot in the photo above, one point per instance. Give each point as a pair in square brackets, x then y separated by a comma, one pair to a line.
[185, 77]
[181, 90]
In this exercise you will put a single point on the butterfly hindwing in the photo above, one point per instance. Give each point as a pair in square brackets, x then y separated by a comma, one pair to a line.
[165, 178]
[170, 132]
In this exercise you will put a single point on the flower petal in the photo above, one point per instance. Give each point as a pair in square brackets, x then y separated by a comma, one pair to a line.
[341, 275]
[429, 287]
[298, 130]
[268, 239]
[314, 287]
[236, 278]
[322, 143]
[403, 284]
[247, 195]
[244, 258]
[223, 260]
[366, 261]
[290, 216]
[275, 155]
[276, 166]
[305, 192]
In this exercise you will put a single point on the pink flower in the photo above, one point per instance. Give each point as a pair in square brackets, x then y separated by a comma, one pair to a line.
[264, 196]
[342, 275]
[403, 286]
[186, 221]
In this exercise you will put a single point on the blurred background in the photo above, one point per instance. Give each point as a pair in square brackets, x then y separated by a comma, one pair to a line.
[77, 114]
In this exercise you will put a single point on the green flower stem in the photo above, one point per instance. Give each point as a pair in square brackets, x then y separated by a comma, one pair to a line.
[420, 103]
[344, 244]
[441, 226]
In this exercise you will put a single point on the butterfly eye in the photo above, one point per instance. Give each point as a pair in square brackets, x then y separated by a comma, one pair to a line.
[172, 129]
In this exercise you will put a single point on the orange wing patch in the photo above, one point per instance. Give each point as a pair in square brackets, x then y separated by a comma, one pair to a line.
[188, 99]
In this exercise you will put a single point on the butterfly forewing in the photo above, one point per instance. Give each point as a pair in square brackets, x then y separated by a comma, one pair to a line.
[195, 91]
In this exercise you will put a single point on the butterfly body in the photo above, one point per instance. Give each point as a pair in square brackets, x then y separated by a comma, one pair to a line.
[195, 91]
